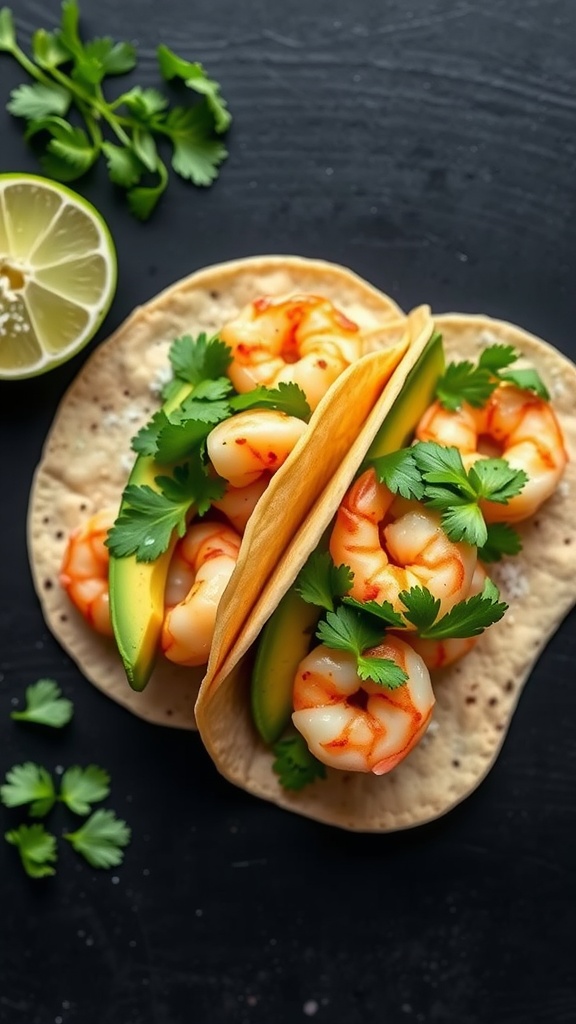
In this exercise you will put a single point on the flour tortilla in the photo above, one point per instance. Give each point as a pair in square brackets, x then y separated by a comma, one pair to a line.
[87, 456]
[475, 698]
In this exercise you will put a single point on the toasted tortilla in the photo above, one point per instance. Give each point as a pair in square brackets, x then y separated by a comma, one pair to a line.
[87, 457]
[476, 698]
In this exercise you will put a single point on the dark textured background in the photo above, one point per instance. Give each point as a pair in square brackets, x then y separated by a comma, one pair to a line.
[431, 147]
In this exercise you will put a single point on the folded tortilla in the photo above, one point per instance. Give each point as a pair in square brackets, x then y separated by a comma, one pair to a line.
[475, 698]
[87, 457]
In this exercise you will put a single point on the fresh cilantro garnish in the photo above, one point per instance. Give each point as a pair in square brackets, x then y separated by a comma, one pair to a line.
[320, 581]
[470, 617]
[180, 434]
[199, 359]
[502, 539]
[148, 518]
[45, 705]
[399, 472]
[421, 607]
[347, 629]
[29, 784]
[101, 839]
[82, 787]
[474, 383]
[69, 75]
[37, 849]
[286, 397]
[384, 612]
[456, 493]
[295, 765]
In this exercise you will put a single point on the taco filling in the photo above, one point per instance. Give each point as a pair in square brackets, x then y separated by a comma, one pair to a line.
[369, 664]
[146, 560]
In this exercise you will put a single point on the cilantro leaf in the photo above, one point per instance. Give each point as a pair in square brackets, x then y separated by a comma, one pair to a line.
[192, 481]
[38, 101]
[143, 104]
[101, 839]
[143, 199]
[463, 382]
[194, 76]
[399, 472]
[495, 358]
[470, 617]
[124, 166]
[198, 359]
[82, 787]
[527, 380]
[286, 397]
[69, 153]
[183, 431]
[196, 155]
[385, 611]
[48, 50]
[501, 539]
[294, 764]
[29, 783]
[495, 480]
[110, 58]
[45, 705]
[37, 849]
[421, 607]
[145, 525]
[442, 465]
[347, 630]
[464, 522]
[320, 581]
[145, 442]
[383, 671]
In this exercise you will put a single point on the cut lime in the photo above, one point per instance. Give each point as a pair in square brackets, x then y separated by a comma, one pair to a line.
[57, 274]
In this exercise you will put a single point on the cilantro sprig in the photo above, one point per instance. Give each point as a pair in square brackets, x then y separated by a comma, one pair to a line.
[347, 629]
[435, 474]
[37, 849]
[320, 582]
[101, 839]
[66, 108]
[474, 382]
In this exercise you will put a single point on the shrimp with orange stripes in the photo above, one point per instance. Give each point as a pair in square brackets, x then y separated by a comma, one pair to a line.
[392, 545]
[299, 338]
[358, 725]
[513, 424]
[84, 570]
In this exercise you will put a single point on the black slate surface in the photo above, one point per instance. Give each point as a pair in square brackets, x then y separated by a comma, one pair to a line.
[431, 147]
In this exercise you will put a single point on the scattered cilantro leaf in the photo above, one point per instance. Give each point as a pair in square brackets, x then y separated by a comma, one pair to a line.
[495, 358]
[319, 581]
[69, 75]
[464, 522]
[383, 671]
[442, 465]
[182, 432]
[37, 849]
[45, 705]
[101, 839]
[82, 787]
[400, 473]
[29, 783]
[501, 539]
[286, 397]
[294, 764]
[496, 480]
[470, 617]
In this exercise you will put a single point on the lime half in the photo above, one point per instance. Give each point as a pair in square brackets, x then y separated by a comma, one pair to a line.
[57, 274]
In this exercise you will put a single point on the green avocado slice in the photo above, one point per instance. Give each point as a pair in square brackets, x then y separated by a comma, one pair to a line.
[137, 588]
[286, 637]
[284, 641]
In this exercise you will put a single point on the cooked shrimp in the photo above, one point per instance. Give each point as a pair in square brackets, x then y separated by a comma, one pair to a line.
[515, 425]
[441, 653]
[238, 503]
[392, 545]
[84, 572]
[300, 338]
[251, 443]
[358, 725]
[202, 564]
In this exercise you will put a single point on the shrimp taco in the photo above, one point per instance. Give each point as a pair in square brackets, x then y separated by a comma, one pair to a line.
[186, 454]
[377, 674]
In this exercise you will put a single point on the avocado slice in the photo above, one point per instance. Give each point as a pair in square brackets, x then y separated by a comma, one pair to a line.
[285, 639]
[137, 588]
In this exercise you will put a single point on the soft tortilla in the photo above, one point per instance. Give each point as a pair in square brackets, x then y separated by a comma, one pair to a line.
[476, 698]
[87, 455]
